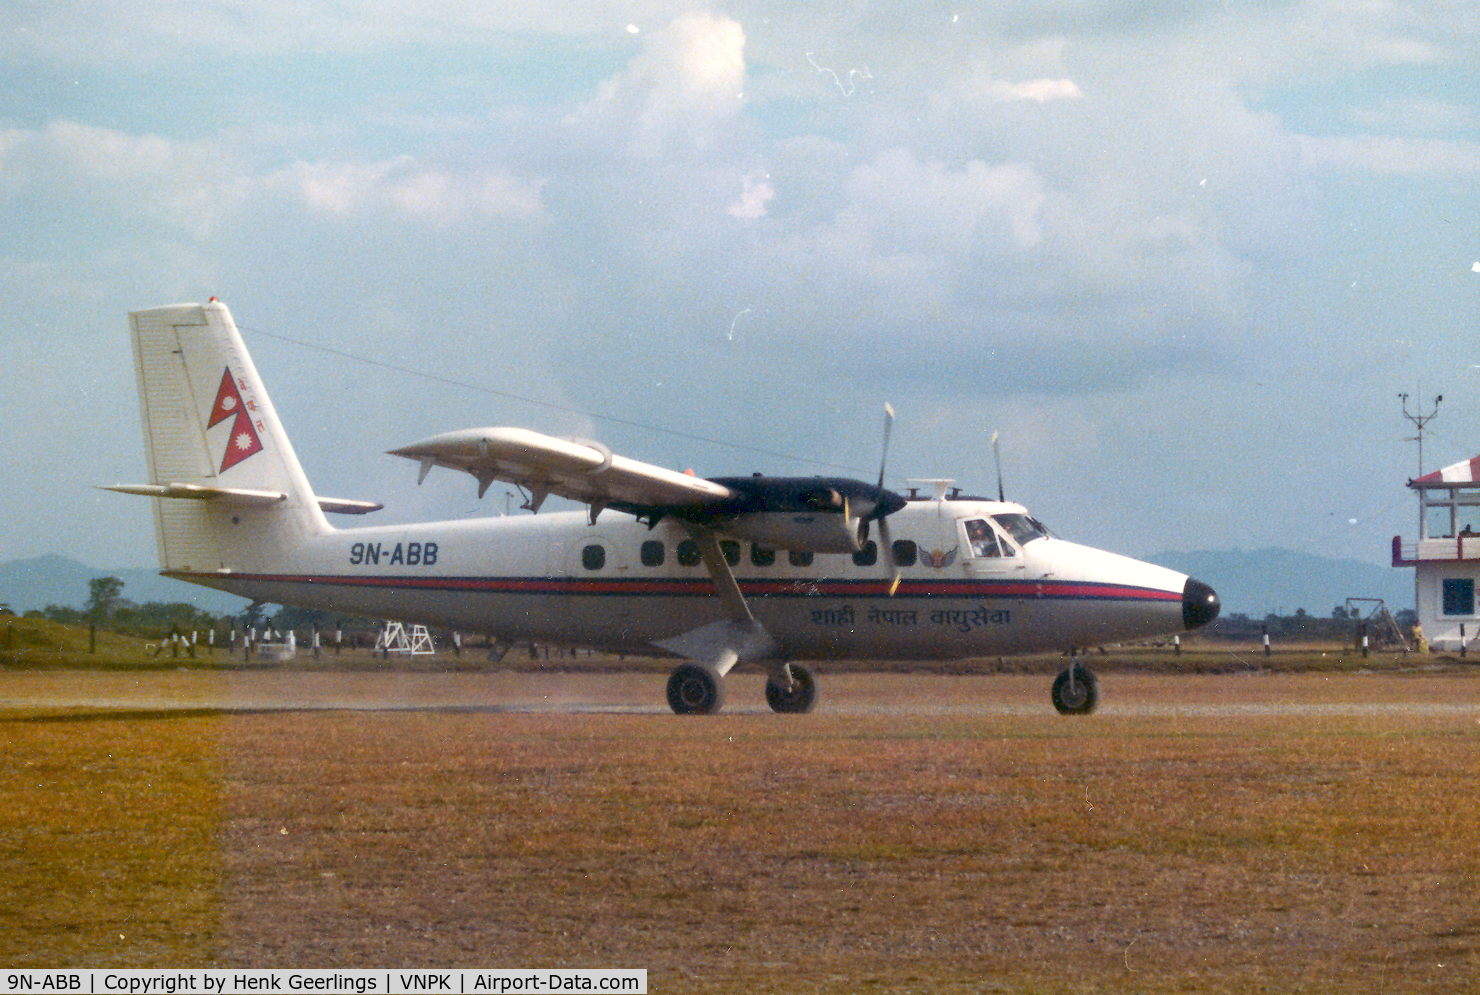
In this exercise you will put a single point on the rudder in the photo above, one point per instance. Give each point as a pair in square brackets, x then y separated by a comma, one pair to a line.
[210, 432]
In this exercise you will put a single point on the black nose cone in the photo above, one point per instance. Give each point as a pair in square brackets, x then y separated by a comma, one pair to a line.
[1200, 604]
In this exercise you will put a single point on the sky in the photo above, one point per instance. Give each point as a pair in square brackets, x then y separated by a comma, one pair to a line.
[1182, 258]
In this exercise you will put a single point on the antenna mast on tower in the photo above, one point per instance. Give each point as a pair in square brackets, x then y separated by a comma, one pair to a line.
[1419, 420]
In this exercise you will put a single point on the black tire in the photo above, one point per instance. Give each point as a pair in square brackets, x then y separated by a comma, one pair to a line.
[1076, 691]
[799, 698]
[692, 690]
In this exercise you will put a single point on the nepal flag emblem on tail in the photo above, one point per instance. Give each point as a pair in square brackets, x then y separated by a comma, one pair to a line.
[244, 440]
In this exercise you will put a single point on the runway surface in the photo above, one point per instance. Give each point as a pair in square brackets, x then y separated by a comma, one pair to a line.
[1132, 695]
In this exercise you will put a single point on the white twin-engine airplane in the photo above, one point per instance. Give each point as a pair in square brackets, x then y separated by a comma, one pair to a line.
[717, 572]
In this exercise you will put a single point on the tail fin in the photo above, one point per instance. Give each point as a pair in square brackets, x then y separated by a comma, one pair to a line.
[210, 433]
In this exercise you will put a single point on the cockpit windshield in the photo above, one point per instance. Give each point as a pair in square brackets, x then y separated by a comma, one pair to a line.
[1022, 528]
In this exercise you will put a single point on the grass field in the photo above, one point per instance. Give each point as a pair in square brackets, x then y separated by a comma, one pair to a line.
[109, 840]
[1204, 833]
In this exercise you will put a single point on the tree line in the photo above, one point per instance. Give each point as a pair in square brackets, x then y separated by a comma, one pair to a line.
[1342, 623]
[107, 609]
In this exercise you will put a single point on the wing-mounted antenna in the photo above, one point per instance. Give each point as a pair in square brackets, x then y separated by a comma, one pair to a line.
[997, 459]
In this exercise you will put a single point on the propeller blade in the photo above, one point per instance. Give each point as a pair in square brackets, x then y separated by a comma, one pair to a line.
[884, 454]
[997, 458]
[888, 551]
[860, 535]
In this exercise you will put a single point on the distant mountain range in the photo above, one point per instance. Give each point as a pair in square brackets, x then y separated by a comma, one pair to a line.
[1281, 580]
[1250, 583]
[56, 580]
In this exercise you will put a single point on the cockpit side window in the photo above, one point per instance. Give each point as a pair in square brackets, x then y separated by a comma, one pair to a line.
[983, 540]
[1022, 528]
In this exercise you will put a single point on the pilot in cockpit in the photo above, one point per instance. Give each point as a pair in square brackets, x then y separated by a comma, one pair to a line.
[983, 540]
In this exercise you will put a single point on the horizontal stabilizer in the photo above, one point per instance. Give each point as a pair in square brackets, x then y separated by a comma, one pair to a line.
[199, 492]
[240, 496]
[347, 506]
[543, 464]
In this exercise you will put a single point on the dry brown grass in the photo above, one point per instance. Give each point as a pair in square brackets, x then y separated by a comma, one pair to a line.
[1156, 851]
[764, 854]
[109, 840]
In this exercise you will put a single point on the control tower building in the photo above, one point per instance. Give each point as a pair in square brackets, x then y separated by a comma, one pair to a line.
[1446, 557]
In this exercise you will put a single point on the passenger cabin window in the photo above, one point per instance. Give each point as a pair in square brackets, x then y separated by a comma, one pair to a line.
[905, 552]
[731, 549]
[652, 553]
[1459, 596]
[593, 557]
[761, 556]
[868, 555]
[688, 553]
[799, 557]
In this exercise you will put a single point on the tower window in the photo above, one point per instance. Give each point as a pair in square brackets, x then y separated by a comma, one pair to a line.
[1459, 596]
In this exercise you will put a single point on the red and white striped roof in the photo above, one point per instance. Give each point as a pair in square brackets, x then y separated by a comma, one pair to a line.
[1466, 472]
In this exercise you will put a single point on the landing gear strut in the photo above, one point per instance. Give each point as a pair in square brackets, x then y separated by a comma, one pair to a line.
[693, 690]
[1075, 691]
[798, 694]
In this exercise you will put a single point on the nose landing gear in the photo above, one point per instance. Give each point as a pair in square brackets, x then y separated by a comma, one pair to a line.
[791, 689]
[1076, 691]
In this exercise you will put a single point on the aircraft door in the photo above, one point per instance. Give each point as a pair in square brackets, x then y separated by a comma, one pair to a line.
[938, 544]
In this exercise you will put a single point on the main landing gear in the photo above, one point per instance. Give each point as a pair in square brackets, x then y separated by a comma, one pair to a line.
[1076, 691]
[696, 690]
[693, 690]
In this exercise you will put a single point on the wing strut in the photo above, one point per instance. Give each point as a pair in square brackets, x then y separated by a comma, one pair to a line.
[720, 645]
[719, 569]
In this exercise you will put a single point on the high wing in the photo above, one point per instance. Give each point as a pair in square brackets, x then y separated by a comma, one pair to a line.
[577, 469]
[820, 514]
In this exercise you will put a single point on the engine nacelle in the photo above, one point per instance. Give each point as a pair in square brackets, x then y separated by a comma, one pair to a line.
[815, 532]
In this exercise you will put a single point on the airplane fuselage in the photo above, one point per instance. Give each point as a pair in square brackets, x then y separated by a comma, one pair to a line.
[620, 586]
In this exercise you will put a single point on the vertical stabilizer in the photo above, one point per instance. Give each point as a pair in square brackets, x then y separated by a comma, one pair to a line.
[209, 425]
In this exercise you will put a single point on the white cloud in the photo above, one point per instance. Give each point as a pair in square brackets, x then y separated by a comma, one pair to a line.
[184, 185]
[1041, 90]
[902, 201]
[1415, 116]
[688, 80]
[755, 191]
[1391, 156]
[153, 31]
[908, 239]
[409, 188]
